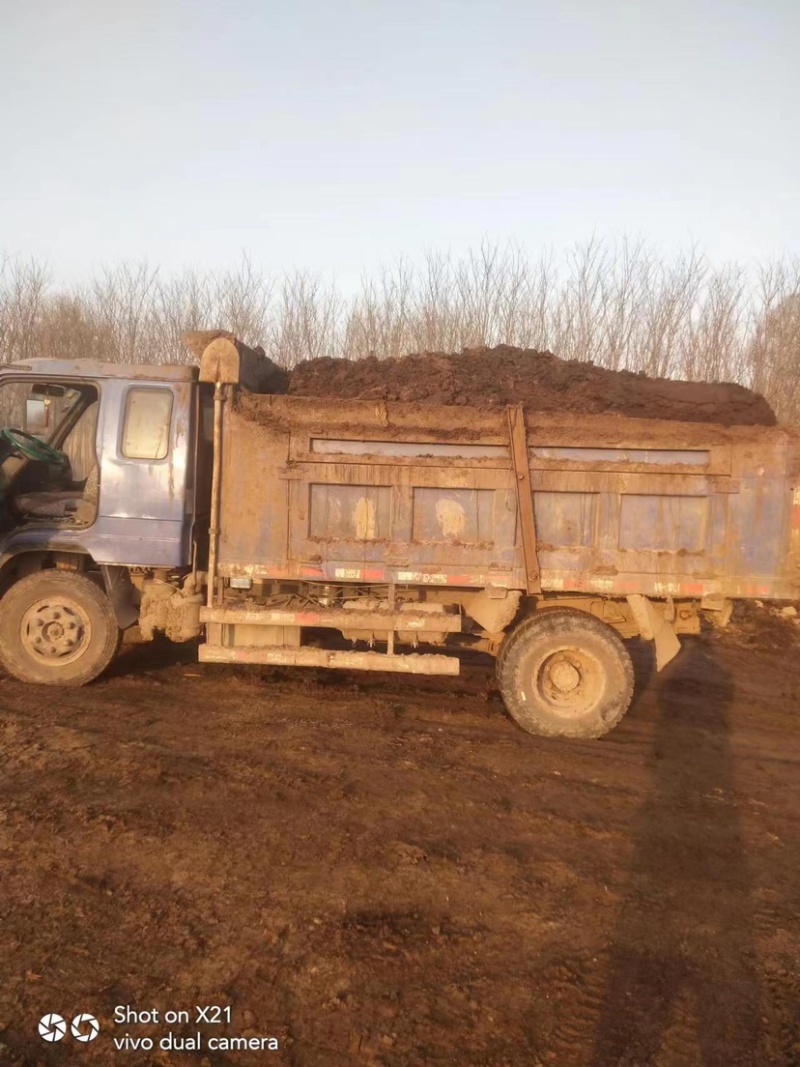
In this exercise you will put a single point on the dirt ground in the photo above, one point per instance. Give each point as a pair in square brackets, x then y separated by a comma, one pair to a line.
[384, 871]
[490, 377]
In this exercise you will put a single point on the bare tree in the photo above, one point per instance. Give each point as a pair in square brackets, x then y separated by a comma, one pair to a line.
[306, 323]
[23, 289]
[773, 353]
[242, 299]
[123, 300]
[182, 304]
[619, 304]
[671, 292]
[378, 321]
[714, 340]
[67, 328]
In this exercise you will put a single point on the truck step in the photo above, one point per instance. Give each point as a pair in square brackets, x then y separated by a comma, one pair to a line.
[286, 656]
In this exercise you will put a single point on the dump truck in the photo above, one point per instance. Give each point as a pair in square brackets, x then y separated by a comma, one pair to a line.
[202, 503]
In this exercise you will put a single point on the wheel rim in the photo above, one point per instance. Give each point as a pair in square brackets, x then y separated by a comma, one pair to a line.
[570, 681]
[55, 631]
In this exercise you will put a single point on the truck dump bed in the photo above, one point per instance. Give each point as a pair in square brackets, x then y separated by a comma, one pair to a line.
[370, 491]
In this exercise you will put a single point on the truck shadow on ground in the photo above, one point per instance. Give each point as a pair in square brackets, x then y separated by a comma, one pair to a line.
[138, 657]
[682, 977]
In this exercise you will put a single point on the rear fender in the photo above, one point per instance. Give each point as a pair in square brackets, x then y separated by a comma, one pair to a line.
[653, 626]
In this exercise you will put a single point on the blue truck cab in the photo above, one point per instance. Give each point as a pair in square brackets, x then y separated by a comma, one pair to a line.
[103, 471]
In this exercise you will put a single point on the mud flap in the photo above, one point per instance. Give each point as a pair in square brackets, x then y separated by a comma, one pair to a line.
[122, 593]
[654, 627]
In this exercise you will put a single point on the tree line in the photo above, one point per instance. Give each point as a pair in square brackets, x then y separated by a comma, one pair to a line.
[620, 304]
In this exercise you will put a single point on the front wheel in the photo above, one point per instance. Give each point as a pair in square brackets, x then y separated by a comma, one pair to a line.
[57, 628]
[564, 673]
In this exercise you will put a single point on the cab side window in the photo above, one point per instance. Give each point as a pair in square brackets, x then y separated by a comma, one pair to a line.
[145, 429]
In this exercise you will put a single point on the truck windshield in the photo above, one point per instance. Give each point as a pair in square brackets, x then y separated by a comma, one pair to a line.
[51, 411]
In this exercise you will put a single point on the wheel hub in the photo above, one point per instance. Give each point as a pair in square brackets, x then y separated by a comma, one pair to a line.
[569, 681]
[55, 632]
[564, 676]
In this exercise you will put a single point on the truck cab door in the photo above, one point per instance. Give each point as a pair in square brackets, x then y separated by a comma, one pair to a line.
[145, 512]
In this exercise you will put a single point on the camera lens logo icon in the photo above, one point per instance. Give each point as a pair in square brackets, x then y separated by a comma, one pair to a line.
[85, 1027]
[52, 1028]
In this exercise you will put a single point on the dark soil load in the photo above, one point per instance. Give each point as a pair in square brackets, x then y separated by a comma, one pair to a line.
[490, 377]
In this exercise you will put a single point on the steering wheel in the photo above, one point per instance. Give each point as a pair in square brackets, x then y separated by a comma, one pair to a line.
[31, 447]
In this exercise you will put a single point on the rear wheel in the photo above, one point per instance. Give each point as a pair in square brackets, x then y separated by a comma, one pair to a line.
[57, 628]
[563, 673]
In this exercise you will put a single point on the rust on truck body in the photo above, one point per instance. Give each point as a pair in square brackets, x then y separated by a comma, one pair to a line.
[376, 492]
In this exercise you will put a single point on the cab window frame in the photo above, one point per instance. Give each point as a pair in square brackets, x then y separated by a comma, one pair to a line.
[126, 401]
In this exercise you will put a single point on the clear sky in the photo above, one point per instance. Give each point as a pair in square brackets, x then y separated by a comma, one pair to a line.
[335, 136]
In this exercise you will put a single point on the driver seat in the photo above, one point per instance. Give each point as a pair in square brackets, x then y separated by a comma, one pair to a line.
[61, 503]
[57, 504]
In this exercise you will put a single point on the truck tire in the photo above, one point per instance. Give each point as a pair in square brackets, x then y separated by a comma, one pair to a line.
[564, 673]
[57, 628]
